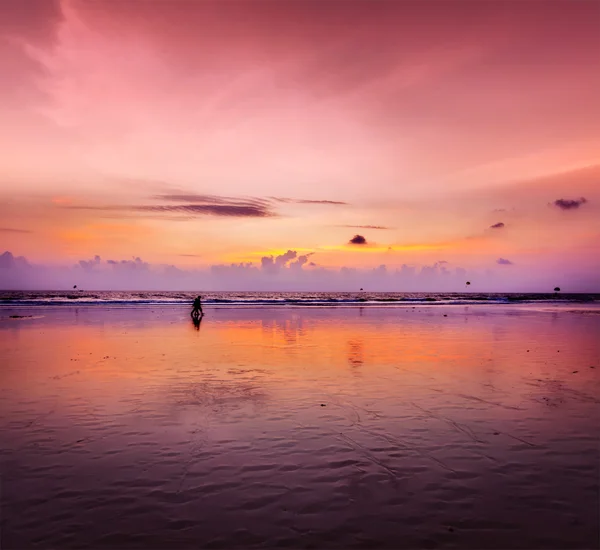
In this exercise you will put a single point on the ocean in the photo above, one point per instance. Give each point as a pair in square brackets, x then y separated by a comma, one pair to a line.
[283, 299]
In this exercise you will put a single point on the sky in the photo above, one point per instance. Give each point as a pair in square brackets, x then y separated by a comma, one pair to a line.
[300, 144]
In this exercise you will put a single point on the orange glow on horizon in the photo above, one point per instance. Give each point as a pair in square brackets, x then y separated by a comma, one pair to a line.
[122, 136]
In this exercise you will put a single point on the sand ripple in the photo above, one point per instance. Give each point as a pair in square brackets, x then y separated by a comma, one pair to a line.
[326, 431]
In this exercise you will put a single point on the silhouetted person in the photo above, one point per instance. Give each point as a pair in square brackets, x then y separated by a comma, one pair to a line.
[197, 309]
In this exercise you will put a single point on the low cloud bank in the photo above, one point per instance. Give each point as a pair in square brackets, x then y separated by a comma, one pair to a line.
[289, 271]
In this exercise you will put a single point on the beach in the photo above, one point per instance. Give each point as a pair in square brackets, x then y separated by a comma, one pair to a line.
[324, 427]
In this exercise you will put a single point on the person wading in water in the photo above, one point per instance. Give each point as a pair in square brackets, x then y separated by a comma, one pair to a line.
[197, 309]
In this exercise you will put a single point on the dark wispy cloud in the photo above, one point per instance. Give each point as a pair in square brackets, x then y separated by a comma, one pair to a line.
[358, 239]
[498, 225]
[239, 210]
[227, 210]
[365, 226]
[213, 205]
[194, 198]
[503, 261]
[186, 205]
[306, 201]
[13, 230]
[569, 204]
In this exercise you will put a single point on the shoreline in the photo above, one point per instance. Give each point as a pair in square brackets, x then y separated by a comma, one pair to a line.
[534, 306]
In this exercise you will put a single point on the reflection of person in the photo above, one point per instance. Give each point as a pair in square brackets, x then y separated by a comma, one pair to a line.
[197, 309]
[196, 319]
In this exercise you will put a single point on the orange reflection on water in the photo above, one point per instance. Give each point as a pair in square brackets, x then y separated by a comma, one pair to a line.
[406, 418]
[456, 347]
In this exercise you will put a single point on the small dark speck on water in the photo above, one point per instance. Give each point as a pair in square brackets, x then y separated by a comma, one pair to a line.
[575, 371]
[496, 433]
[527, 351]
[445, 315]
[451, 529]
[323, 405]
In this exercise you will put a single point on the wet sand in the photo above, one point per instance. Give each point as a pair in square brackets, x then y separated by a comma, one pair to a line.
[442, 427]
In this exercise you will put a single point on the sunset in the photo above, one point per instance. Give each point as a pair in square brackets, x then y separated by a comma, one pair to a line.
[252, 248]
[198, 134]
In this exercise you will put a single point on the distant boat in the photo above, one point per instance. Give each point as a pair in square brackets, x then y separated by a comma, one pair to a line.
[556, 289]
[74, 286]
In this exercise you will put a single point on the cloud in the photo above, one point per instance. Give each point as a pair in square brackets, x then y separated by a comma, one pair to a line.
[213, 200]
[13, 230]
[301, 260]
[129, 265]
[380, 271]
[307, 201]
[569, 204]
[247, 271]
[8, 261]
[272, 264]
[503, 261]
[366, 226]
[289, 260]
[283, 259]
[498, 225]
[193, 204]
[225, 210]
[86, 265]
[358, 239]
[286, 273]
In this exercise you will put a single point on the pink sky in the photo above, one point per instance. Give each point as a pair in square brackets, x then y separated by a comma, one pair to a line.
[203, 133]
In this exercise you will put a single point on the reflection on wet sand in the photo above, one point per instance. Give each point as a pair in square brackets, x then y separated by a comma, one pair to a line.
[196, 320]
[355, 353]
[395, 428]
